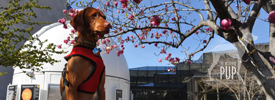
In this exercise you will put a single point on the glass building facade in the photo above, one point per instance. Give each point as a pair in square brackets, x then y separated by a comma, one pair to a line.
[155, 82]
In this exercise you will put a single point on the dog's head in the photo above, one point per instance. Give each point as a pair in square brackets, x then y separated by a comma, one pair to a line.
[91, 23]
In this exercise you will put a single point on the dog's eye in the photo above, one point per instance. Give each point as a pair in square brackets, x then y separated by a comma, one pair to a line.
[94, 15]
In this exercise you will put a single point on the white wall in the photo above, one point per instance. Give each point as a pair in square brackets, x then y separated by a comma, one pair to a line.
[42, 15]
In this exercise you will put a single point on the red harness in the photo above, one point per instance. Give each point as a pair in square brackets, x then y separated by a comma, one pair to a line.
[90, 84]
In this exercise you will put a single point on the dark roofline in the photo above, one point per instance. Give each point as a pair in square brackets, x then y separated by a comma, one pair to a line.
[150, 67]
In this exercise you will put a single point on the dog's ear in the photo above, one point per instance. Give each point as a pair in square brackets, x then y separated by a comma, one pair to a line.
[78, 22]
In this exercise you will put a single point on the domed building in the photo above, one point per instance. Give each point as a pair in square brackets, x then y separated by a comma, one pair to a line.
[117, 83]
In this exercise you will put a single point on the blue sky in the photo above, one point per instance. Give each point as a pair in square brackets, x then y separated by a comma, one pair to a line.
[137, 57]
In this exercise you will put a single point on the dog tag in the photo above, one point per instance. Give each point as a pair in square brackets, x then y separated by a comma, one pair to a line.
[97, 50]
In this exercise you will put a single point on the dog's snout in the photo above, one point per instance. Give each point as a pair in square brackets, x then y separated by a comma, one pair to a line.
[108, 25]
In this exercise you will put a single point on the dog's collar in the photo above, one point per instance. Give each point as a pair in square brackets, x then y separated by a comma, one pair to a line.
[83, 41]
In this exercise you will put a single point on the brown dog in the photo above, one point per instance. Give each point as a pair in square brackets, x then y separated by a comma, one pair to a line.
[91, 25]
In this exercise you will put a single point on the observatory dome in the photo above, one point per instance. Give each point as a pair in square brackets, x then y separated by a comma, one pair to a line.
[117, 72]
[55, 33]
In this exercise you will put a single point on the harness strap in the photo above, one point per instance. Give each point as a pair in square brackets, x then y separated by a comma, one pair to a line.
[65, 81]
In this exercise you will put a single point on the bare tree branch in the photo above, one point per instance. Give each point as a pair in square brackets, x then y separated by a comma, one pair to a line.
[253, 15]
[207, 6]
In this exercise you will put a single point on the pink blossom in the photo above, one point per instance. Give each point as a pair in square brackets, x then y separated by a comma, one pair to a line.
[73, 31]
[207, 29]
[71, 10]
[160, 34]
[68, 38]
[179, 16]
[71, 14]
[166, 9]
[65, 41]
[121, 45]
[97, 43]
[122, 41]
[129, 9]
[138, 26]
[59, 47]
[72, 42]
[124, 3]
[64, 11]
[169, 54]
[197, 32]
[210, 30]
[76, 11]
[226, 24]
[65, 26]
[164, 31]
[116, 4]
[62, 21]
[131, 17]
[122, 11]
[105, 10]
[170, 31]
[142, 46]
[177, 59]
[120, 29]
[155, 20]
[236, 5]
[133, 41]
[107, 4]
[175, 35]
[162, 50]
[115, 46]
[160, 60]
[118, 53]
[103, 41]
[169, 69]
[137, 1]
[118, 11]
[272, 59]
[135, 45]
[204, 41]
[188, 62]
[171, 59]
[173, 19]
[157, 37]
[108, 40]
[271, 17]
[156, 44]
[166, 25]
[141, 37]
[170, 42]
[246, 1]
[108, 48]
[97, 7]
[152, 35]
[121, 51]
[115, 31]
[107, 52]
[166, 58]
[128, 38]
[131, 36]
[174, 71]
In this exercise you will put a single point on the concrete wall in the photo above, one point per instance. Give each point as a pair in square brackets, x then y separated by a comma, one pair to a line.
[42, 15]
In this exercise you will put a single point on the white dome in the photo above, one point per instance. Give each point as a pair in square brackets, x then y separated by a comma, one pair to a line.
[55, 33]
